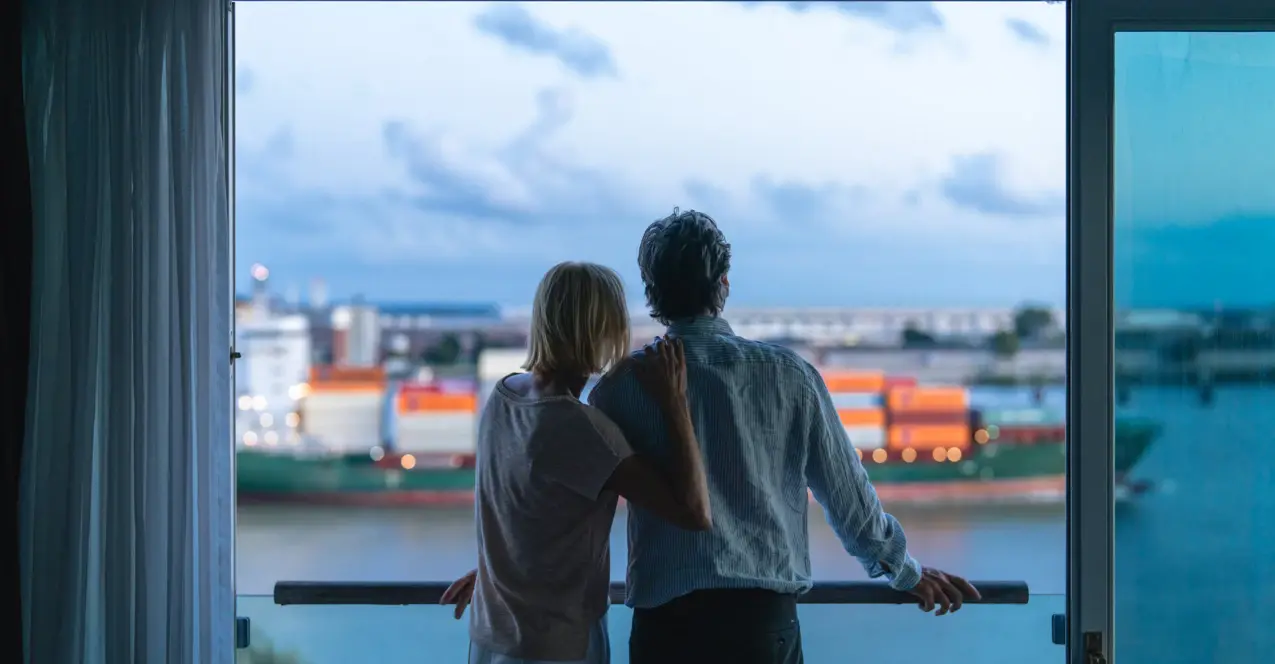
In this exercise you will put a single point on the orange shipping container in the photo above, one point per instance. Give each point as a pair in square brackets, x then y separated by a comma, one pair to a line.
[854, 381]
[862, 417]
[436, 402]
[905, 399]
[927, 437]
[340, 374]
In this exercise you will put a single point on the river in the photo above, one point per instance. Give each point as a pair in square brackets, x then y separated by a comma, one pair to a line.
[1195, 562]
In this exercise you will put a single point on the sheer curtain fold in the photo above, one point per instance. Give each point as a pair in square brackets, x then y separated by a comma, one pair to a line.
[126, 509]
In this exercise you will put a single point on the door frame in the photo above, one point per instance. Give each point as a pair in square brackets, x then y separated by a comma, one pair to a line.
[1091, 29]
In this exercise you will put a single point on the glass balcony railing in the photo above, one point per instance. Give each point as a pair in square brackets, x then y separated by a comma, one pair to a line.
[393, 623]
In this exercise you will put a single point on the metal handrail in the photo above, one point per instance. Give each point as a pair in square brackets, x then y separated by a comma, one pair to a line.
[429, 592]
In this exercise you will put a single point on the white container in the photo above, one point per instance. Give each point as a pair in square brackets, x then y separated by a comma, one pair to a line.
[856, 400]
[866, 438]
[343, 421]
[451, 433]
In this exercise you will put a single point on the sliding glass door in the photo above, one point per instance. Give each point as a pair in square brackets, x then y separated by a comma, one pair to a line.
[1172, 331]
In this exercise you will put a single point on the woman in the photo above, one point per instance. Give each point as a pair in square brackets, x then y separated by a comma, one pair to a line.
[550, 469]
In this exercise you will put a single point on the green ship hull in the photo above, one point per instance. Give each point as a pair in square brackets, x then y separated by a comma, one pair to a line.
[989, 472]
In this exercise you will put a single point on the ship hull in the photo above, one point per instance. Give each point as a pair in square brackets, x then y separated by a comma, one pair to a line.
[991, 473]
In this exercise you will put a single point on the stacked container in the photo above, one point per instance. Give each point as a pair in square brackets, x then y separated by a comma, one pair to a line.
[933, 422]
[857, 397]
[1023, 425]
[435, 418]
[340, 408]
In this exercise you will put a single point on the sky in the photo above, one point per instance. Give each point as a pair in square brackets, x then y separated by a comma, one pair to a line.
[854, 153]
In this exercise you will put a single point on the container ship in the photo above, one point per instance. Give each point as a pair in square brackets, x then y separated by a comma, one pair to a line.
[369, 440]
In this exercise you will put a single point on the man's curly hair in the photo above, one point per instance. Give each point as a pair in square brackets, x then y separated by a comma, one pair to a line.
[683, 258]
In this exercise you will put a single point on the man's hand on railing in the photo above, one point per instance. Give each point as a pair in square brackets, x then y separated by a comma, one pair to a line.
[940, 589]
[460, 592]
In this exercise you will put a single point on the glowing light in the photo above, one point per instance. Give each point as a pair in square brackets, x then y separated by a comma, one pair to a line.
[299, 391]
[993, 432]
[267, 420]
[981, 437]
[250, 438]
[272, 438]
[954, 454]
[408, 462]
[909, 455]
[940, 454]
[259, 272]
[245, 402]
[258, 403]
[292, 419]
[377, 453]
[878, 456]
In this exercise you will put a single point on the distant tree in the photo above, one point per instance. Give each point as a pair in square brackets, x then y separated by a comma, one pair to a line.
[1033, 321]
[1005, 344]
[912, 336]
[444, 353]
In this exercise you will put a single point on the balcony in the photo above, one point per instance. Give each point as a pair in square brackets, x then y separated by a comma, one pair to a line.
[393, 623]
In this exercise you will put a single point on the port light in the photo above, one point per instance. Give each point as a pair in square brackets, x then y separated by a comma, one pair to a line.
[267, 420]
[271, 438]
[245, 402]
[879, 456]
[377, 453]
[982, 436]
[299, 391]
[909, 455]
[993, 432]
[953, 454]
[292, 420]
[940, 454]
[258, 403]
[250, 438]
[408, 462]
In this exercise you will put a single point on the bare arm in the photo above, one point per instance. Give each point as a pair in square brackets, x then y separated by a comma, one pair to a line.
[677, 492]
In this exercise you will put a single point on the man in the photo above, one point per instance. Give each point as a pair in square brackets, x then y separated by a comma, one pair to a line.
[768, 430]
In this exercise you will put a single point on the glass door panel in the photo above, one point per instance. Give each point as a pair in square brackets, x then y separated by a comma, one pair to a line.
[1193, 282]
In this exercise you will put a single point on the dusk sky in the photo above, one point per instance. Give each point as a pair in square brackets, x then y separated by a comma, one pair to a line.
[854, 153]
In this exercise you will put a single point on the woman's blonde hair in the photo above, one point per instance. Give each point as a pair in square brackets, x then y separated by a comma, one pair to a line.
[579, 321]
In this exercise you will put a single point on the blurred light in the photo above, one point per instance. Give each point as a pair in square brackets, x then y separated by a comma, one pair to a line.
[909, 455]
[245, 402]
[250, 438]
[993, 432]
[377, 454]
[299, 391]
[954, 454]
[292, 419]
[940, 454]
[293, 438]
[259, 272]
[408, 462]
[981, 437]
[878, 456]
[272, 438]
[267, 420]
[258, 403]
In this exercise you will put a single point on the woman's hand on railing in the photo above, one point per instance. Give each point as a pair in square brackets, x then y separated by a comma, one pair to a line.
[460, 592]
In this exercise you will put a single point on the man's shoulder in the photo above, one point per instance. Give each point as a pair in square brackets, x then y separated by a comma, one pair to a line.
[753, 350]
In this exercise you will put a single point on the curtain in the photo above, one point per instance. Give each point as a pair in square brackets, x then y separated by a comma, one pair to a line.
[126, 496]
[15, 302]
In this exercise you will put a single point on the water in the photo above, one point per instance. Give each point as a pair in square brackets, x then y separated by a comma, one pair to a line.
[1194, 579]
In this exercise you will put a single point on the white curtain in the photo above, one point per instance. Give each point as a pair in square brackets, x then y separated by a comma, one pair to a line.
[127, 495]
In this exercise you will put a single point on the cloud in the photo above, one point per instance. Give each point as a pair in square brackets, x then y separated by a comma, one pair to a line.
[903, 17]
[245, 79]
[578, 51]
[1027, 32]
[975, 183]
